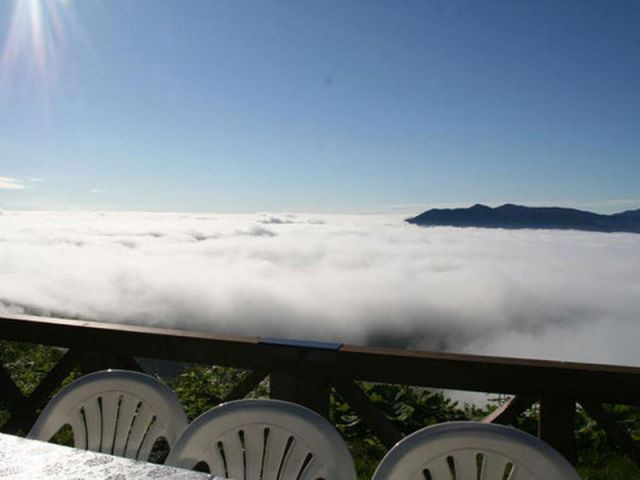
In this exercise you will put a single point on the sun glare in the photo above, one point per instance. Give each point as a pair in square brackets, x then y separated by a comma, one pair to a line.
[36, 38]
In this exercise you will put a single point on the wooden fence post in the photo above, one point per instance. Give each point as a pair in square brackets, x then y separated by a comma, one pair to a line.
[312, 392]
[557, 424]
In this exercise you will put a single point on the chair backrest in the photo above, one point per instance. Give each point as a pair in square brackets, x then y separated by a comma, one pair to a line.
[264, 440]
[114, 411]
[471, 451]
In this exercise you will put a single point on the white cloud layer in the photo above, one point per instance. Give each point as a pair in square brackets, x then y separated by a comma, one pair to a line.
[354, 279]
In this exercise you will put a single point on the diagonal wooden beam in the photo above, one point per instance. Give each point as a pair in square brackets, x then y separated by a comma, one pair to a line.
[508, 412]
[61, 370]
[249, 383]
[11, 396]
[372, 416]
[613, 429]
[25, 414]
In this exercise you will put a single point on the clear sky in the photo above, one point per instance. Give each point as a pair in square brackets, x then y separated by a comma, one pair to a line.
[211, 105]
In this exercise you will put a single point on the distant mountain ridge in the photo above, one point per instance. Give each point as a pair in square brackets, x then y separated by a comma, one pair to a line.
[517, 216]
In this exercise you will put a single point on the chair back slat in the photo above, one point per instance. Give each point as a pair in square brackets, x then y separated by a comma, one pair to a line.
[141, 423]
[253, 437]
[230, 448]
[294, 461]
[78, 427]
[275, 446]
[93, 421]
[127, 407]
[466, 465]
[109, 407]
[494, 466]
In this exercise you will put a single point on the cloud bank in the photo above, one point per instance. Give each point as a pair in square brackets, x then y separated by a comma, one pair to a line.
[354, 279]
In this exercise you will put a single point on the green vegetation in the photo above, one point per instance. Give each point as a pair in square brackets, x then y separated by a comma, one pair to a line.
[199, 388]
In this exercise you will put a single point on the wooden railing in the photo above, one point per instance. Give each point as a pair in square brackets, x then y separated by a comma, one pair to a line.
[304, 372]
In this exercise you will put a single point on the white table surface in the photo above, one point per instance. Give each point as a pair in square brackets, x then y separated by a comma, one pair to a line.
[22, 459]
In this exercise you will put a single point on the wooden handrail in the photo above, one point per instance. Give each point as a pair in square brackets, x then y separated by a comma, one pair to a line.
[602, 383]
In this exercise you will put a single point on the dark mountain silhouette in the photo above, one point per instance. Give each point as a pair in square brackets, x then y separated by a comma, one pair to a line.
[517, 216]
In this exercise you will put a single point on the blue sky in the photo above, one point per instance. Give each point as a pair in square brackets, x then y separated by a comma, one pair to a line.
[207, 105]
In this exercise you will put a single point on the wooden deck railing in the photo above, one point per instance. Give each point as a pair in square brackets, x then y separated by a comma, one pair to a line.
[304, 372]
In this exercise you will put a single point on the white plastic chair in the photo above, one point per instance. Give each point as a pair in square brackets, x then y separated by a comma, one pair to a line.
[114, 411]
[264, 440]
[473, 451]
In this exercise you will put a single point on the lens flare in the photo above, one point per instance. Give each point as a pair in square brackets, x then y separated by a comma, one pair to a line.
[36, 39]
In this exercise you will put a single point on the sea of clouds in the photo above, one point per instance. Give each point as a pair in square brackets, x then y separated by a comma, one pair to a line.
[356, 279]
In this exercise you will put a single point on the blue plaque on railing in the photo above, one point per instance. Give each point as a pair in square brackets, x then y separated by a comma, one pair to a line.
[291, 342]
